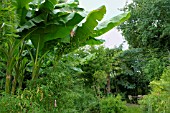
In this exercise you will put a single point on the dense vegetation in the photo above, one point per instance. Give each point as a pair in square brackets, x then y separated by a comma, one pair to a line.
[50, 60]
[148, 29]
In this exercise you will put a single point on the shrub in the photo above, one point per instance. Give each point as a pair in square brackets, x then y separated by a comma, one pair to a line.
[61, 84]
[112, 104]
[16, 104]
[159, 99]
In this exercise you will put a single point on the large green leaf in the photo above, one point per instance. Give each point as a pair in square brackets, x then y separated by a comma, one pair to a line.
[72, 19]
[44, 26]
[53, 1]
[27, 25]
[49, 33]
[32, 22]
[109, 24]
[40, 18]
[50, 27]
[37, 2]
[94, 41]
[68, 4]
[84, 31]
[49, 5]
[58, 32]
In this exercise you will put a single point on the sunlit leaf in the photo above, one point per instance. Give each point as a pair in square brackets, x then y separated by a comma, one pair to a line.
[84, 31]
[110, 24]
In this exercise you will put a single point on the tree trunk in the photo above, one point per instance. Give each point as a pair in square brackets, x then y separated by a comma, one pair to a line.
[14, 83]
[20, 84]
[7, 83]
[108, 89]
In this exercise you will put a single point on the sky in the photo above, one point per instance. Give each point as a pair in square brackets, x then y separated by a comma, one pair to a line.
[112, 38]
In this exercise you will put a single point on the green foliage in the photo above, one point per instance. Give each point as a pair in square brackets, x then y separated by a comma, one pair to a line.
[109, 24]
[112, 104]
[129, 77]
[61, 22]
[41, 78]
[69, 90]
[146, 29]
[135, 68]
[158, 101]
[39, 27]
[9, 48]
[100, 77]
[19, 103]
[99, 66]
[8, 21]
[154, 68]
[148, 26]
[49, 21]
[63, 84]
[86, 30]
[134, 109]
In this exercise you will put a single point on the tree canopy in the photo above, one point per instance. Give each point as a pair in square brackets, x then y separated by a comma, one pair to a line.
[148, 27]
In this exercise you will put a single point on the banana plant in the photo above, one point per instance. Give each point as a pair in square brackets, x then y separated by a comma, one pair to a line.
[50, 24]
[64, 23]
[11, 47]
[8, 43]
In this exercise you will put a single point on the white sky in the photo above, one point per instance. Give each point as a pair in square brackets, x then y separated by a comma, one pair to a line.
[113, 37]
